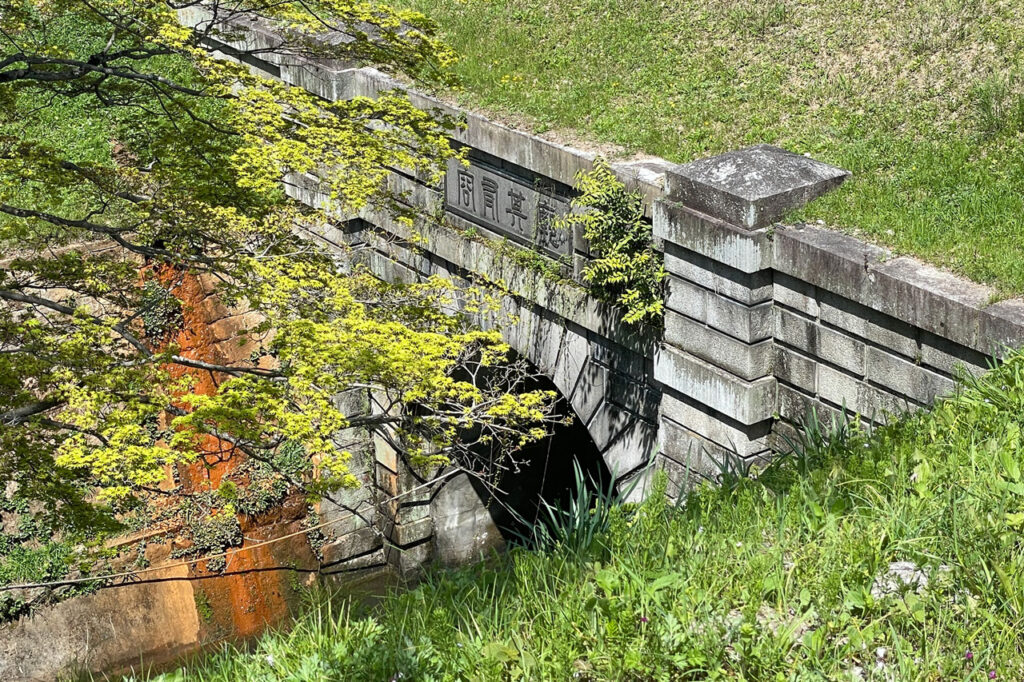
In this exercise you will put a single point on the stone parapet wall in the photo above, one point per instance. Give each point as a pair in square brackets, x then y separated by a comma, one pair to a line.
[770, 325]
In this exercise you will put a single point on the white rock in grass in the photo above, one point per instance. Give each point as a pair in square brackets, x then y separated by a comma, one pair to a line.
[899, 578]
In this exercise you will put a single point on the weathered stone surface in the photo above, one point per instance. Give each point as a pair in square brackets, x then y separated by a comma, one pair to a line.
[687, 298]
[746, 323]
[746, 288]
[796, 369]
[916, 294]
[839, 388]
[640, 398]
[905, 377]
[746, 401]
[463, 528]
[590, 391]
[856, 396]
[681, 480]
[608, 422]
[796, 331]
[109, 630]
[689, 450]
[748, 361]
[703, 457]
[508, 205]
[632, 448]
[752, 187]
[353, 550]
[412, 531]
[841, 350]
[738, 248]
[796, 294]
[742, 439]
[870, 325]
[799, 408]
[950, 358]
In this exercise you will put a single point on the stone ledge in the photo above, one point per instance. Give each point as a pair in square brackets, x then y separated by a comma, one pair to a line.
[745, 360]
[914, 293]
[747, 402]
[745, 440]
[747, 251]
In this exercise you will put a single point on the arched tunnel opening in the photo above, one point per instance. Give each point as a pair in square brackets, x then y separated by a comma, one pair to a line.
[543, 472]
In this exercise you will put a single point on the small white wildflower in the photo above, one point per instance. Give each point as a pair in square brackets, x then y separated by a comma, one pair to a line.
[270, 659]
[739, 544]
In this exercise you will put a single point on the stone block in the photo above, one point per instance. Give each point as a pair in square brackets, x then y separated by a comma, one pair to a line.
[687, 298]
[409, 561]
[870, 325]
[950, 358]
[746, 288]
[740, 438]
[797, 294]
[464, 529]
[746, 323]
[407, 533]
[374, 559]
[796, 369]
[747, 361]
[618, 358]
[688, 450]
[637, 397]
[829, 260]
[590, 391]
[839, 388]
[858, 397]
[796, 331]
[721, 242]
[752, 187]
[745, 401]
[636, 487]
[799, 408]
[906, 378]
[573, 354]
[701, 456]
[608, 422]
[633, 448]
[351, 546]
[1001, 327]
[841, 350]
[914, 293]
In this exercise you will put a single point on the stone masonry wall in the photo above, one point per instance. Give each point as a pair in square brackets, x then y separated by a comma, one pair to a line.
[764, 323]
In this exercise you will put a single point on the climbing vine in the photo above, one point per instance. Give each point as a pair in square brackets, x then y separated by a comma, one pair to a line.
[626, 269]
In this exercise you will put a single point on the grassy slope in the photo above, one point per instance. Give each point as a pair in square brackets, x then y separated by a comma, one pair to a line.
[767, 579]
[922, 99]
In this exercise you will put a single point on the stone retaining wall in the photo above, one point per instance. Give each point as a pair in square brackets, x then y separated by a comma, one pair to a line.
[765, 322]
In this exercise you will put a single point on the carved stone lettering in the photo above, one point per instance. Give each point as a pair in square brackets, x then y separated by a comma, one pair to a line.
[508, 206]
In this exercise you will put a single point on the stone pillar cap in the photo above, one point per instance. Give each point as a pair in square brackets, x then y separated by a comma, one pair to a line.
[751, 187]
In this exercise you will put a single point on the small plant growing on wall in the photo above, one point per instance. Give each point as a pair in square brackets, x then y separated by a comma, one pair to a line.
[626, 269]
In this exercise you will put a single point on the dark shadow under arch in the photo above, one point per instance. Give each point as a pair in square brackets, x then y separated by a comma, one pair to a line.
[544, 471]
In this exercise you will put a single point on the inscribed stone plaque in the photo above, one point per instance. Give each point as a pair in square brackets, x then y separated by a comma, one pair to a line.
[508, 206]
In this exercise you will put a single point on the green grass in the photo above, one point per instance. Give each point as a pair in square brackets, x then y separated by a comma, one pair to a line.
[923, 100]
[760, 579]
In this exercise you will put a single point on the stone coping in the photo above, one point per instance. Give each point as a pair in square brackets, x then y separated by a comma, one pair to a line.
[919, 294]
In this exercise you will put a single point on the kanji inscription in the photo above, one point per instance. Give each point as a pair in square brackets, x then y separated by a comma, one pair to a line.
[500, 203]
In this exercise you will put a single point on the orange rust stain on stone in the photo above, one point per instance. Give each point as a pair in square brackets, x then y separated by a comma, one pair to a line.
[249, 598]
